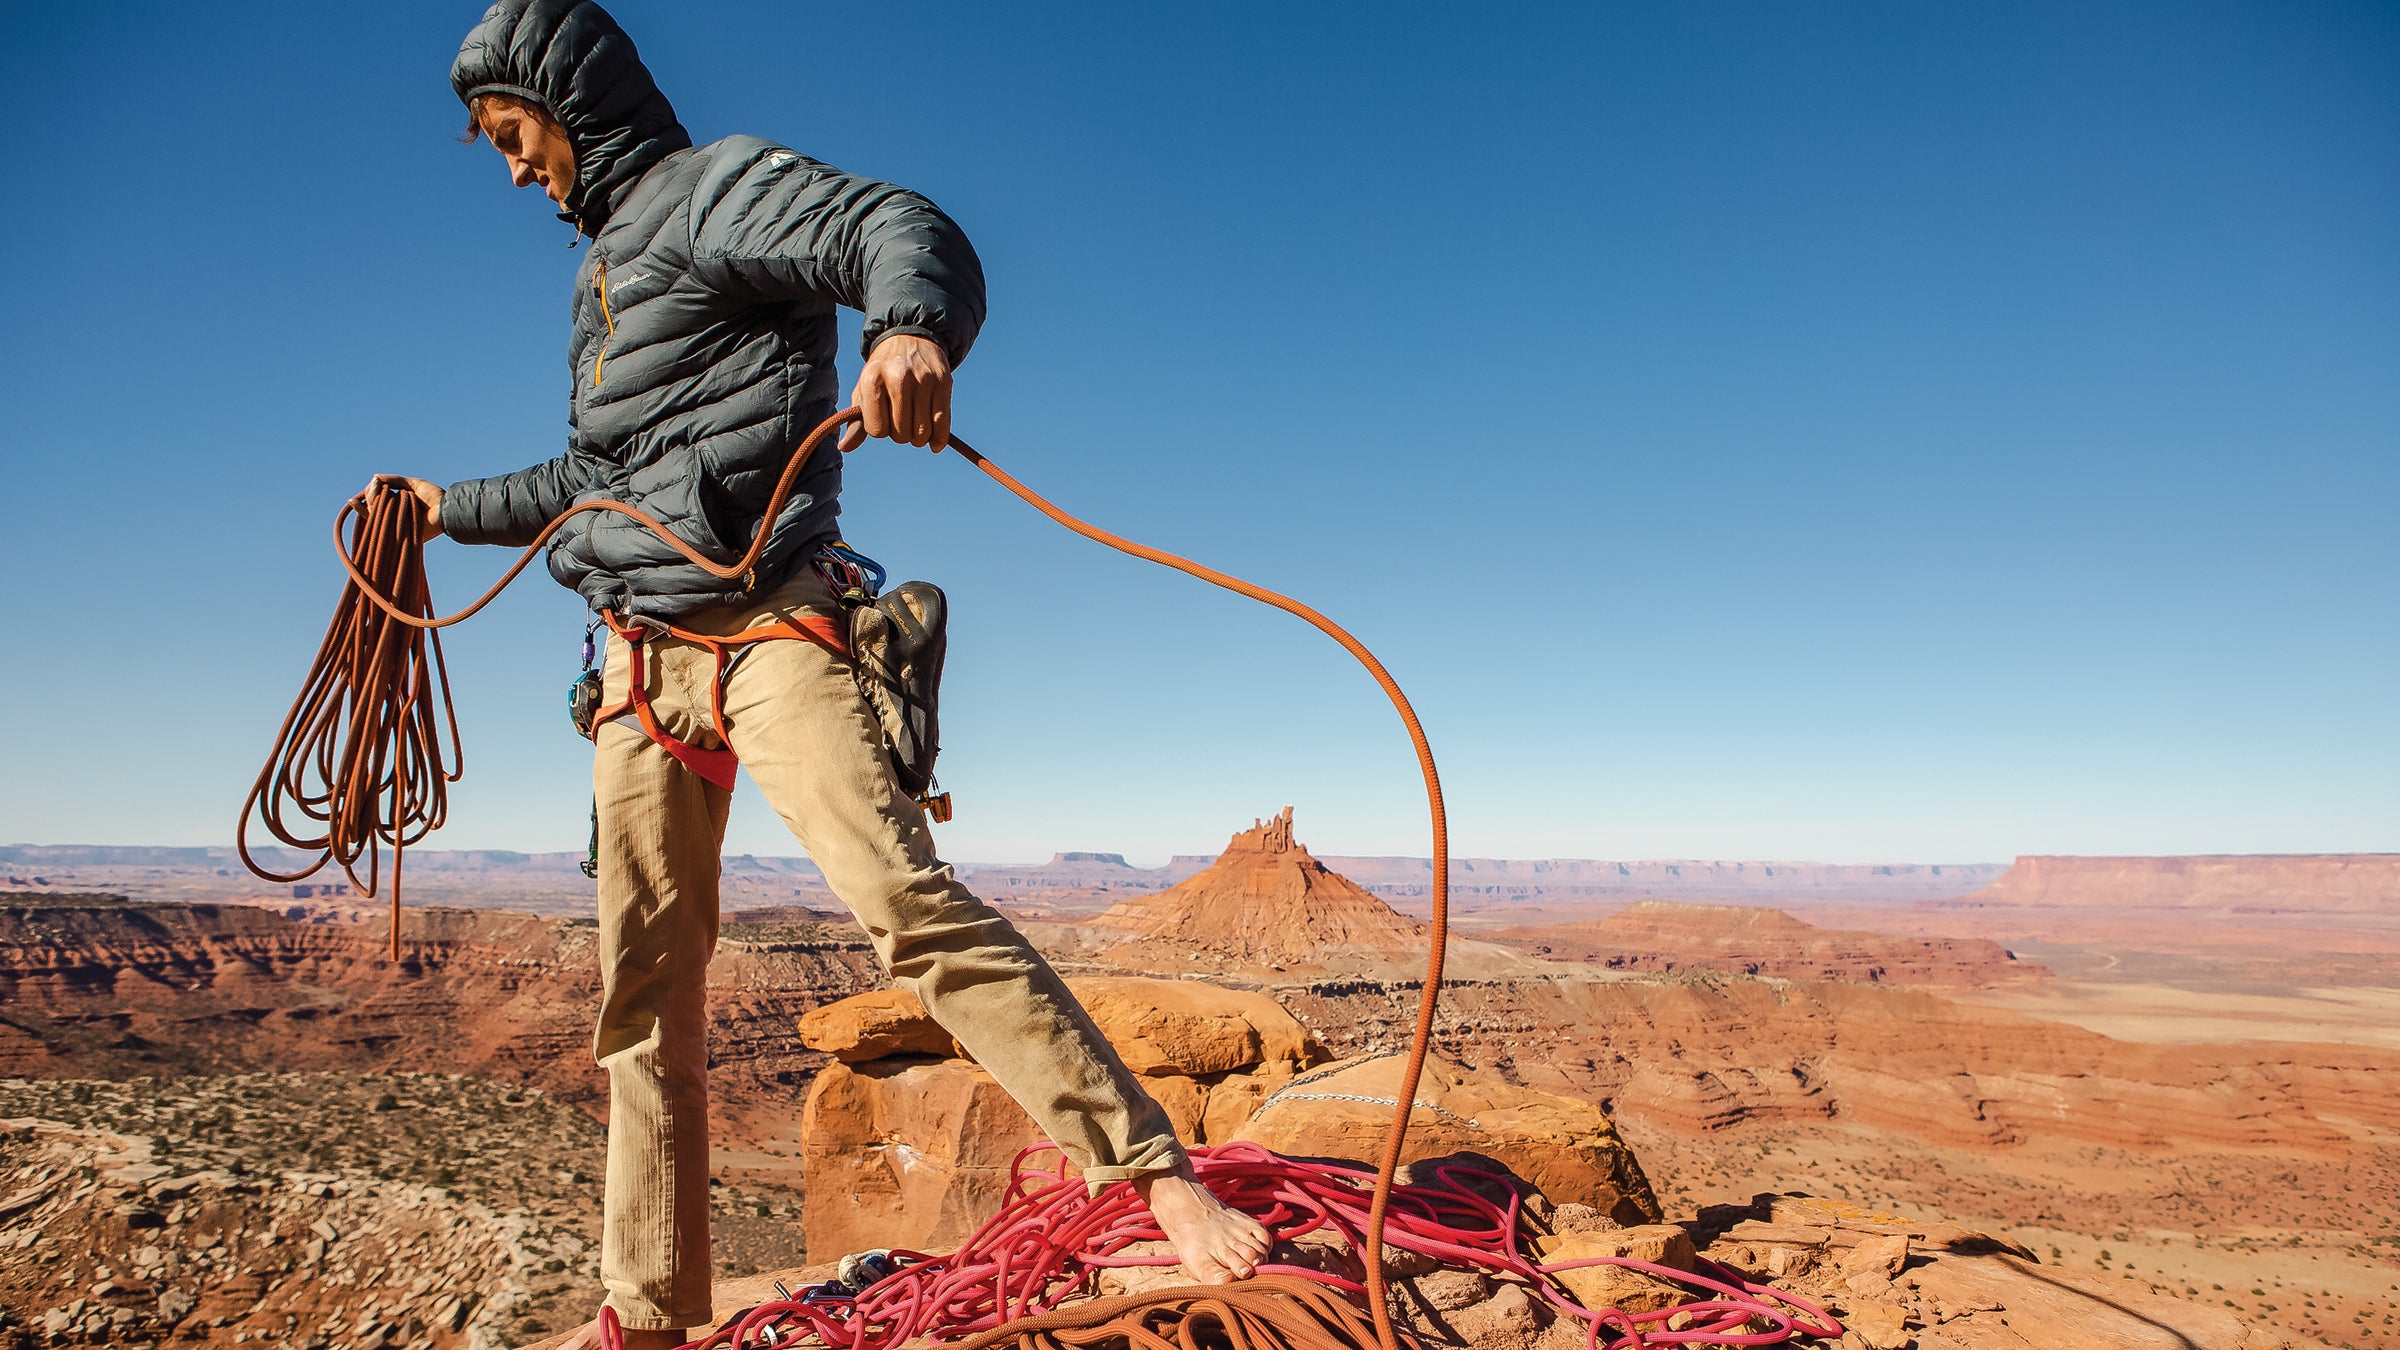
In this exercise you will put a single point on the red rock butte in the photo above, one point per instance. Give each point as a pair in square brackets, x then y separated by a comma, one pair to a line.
[1266, 900]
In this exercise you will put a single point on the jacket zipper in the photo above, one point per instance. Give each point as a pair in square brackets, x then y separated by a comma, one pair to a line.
[600, 287]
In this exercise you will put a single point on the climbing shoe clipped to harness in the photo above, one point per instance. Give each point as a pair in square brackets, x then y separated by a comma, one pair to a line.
[899, 640]
[897, 644]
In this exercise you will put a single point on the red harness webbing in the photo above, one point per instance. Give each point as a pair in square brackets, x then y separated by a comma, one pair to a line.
[717, 765]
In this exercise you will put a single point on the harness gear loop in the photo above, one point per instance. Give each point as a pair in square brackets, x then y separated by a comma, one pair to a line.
[583, 701]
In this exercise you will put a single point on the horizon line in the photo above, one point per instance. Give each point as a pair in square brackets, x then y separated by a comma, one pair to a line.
[1100, 855]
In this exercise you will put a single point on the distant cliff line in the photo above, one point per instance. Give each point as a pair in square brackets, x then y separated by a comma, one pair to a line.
[2356, 882]
[1081, 869]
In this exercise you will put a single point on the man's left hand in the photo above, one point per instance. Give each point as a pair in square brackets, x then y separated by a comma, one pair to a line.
[903, 394]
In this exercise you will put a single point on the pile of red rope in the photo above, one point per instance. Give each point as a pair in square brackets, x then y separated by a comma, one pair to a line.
[1051, 1232]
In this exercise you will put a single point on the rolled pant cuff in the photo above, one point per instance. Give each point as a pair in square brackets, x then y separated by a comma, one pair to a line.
[1096, 1178]
[648, 1317]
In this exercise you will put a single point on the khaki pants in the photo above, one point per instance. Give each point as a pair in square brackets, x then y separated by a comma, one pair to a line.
[808, 739]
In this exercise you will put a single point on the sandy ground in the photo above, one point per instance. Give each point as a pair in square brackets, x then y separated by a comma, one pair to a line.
[2166, 1014]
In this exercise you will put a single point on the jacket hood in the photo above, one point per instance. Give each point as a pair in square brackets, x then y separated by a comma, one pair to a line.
[571, 58]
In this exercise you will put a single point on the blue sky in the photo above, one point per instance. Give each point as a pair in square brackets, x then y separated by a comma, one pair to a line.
[1850, 432]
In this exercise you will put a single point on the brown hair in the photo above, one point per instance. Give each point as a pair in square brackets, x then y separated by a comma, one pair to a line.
[477, 104]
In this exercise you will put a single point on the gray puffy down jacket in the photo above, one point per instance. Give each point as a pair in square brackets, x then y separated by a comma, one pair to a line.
[704, 336]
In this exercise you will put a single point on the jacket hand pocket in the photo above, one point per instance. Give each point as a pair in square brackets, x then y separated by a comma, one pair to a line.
[674, 489]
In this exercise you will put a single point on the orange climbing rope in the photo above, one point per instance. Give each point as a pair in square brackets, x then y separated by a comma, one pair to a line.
[360, 755]
[361, 752]
[1396, 1134]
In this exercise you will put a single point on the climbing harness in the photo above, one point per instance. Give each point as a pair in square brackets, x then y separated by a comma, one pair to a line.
[893, 644]
[361, 754]
[715, 763]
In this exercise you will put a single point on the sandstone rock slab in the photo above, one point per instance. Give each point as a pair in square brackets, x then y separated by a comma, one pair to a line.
[1848, 1224]
[1511, 1319]
[1879, 1257]
[1450, 1290]
[905, 1153]
[2069, 1311]
[1565, 1147]
[1168, 1027]
[1185, 1100]
[1235, 1097]
[1162, 1028]
[1877, 1325]
[1631, 1291]
[874, 1025]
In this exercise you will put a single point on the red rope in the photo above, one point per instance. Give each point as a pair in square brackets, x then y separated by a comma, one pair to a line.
[1051, 1233]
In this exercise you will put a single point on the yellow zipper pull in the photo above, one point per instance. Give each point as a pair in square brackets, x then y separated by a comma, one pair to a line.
[600, 284]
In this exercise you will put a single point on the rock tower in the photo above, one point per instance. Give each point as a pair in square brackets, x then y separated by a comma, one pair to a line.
[1265, 900]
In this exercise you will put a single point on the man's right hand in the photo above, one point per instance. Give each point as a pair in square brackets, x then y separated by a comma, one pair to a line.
[428, 494]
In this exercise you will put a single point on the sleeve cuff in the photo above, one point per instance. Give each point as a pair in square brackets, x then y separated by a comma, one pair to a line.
[874, 338]
[456, 515]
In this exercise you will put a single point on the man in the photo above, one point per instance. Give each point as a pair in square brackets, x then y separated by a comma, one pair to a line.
[702, 352]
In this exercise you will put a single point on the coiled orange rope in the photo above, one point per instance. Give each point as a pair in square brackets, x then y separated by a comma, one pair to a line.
[355, 753]
[360, 753]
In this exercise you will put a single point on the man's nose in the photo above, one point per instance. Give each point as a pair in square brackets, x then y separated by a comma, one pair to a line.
[520, 173]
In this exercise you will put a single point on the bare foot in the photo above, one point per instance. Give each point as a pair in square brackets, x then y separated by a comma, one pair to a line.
[1218, 1245]
[587, 1337]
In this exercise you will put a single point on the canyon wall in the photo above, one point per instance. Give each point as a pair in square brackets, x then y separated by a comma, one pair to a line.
[1665, 937]
[93, 986]
[2361, 884]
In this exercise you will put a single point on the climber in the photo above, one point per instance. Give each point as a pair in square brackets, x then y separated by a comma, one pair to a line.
[702, 351]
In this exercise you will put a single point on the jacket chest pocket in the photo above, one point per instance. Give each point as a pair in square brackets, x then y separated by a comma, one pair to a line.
[608, 319]
[595, 323]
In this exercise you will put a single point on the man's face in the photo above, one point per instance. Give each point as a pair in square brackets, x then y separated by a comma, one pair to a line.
[536, 148]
